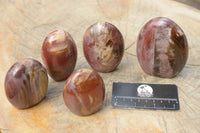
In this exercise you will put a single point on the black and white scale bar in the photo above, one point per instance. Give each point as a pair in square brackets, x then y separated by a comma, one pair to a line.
[145, 96]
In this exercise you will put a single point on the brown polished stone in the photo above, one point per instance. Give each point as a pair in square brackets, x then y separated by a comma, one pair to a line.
[162, 48]
[103, 46]
[26, 83]
[59, 54]
[84, 92]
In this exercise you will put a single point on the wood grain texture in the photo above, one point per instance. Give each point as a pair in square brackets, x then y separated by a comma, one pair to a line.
[23, 27]
[194, 3]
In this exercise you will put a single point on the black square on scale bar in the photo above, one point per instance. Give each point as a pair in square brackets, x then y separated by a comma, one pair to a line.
[145, 96]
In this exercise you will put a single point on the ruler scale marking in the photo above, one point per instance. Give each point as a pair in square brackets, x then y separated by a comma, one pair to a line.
[156, 97]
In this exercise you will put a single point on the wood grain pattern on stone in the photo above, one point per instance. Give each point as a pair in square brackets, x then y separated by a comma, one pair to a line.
[25, 24]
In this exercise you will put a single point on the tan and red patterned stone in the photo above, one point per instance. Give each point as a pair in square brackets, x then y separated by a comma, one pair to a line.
[59, 54]
[84, 92]
[162, 48]
[26, 83]
[103, 46]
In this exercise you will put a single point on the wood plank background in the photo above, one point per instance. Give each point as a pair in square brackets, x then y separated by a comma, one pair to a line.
[23, 27]
[194, 3]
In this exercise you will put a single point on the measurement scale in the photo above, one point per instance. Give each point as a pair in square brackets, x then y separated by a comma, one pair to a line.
[145, 96]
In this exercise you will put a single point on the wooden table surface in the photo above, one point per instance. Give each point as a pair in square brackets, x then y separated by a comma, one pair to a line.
[23, 27]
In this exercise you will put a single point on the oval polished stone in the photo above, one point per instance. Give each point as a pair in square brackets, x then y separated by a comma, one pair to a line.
[162, 48]
[84, 92]
[59, 54]
[26, 83]
[103, 46]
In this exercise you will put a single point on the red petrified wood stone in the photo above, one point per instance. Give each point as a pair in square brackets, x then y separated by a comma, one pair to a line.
[84, 92]
[26, 83]
[103, 46]
[59, 54]
[162, 48]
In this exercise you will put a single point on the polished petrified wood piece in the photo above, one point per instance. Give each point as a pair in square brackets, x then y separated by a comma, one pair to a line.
[26, 83]
[84, 92]
[59, 54]
[162, 48]
[103, 46]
